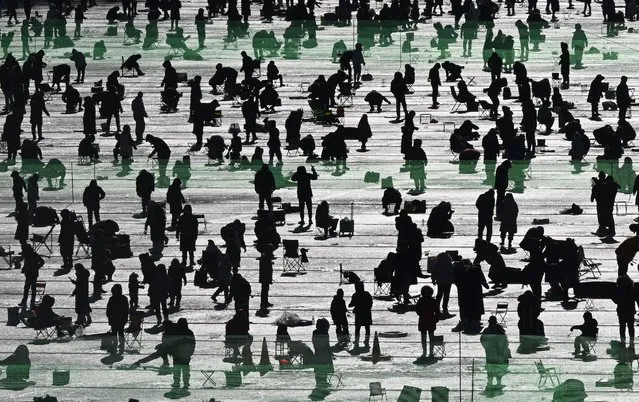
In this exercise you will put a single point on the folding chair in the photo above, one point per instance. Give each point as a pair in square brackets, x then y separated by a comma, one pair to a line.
[39, 240]
[229, 40]
[376, 391]
[7, 256]
[335, 379]
[587, 264]
[545, 374]
[133, 333]
[45, 333]
[345, 96]
[591, 343]
[83, 242]
[292, 261]
[439, 346]
[457, 104]
[201, 220]
[500, 312]
[207, 379]
[484, 109]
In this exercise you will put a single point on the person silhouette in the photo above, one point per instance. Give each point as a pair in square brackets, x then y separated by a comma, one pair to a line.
[362, 303]
[117, 313]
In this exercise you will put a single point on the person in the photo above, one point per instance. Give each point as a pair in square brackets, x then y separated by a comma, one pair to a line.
[495, 344]
[323, 359]
[364, 131]
[265, 276]
[31, 264]
[627, 250]
[163, 152]
[427, 311]
[399, 90]
[134, 287]
[33, 194]
[38, 107]
[182, 350]
[589, 330]
[186, 233]
[158, 293]
[417, 160]
[435, 82]
[22, 219]
[338, 315]
[374, 100]
[362, 303]
[237, 332]
[443, 276]
[175, 199]
[626, 297]
[200, 25]
[264, 186]
[579, 42]
[324, 220]
[80, 63]
[144, 186]
[177, 277]
[66, 238]
[139, 114]
[508, 224]
[304, 191]
[91, 198]
[117, 312]
[18, 368]
[240, 291]
[223, 276]
[485, 205]
[112, 108]
[594, 94]
[564, 62]
[571, 390]
[623, 98]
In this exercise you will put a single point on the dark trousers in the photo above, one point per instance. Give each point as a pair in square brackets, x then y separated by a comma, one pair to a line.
[158, 304]
[309, 206]
[443, 295]
[117, 335]
[400, 102]
[140, 125]
[264, 295]
[29, 284]
[93, 213]
[488, 224]
[181, 370]
[265, 197]
[626, 322]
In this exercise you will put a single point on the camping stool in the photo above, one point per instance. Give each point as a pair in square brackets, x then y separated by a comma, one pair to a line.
[448, 123]
[556, 80]
[208, 380]
[590, 304]
[424, 118]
